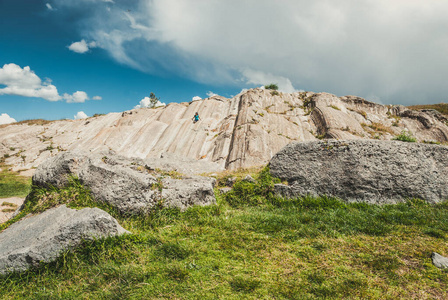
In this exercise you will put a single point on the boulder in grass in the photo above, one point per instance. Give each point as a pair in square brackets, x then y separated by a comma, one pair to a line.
[363, 170]
[132, 186]
[43, 237]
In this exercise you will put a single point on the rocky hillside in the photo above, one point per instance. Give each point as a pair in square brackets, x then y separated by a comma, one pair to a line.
[244, 131]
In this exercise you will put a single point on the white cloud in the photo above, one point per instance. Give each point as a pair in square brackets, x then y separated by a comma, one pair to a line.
[82, 46]
[6, 119]
[48, 5]
[211, 94]
[23, 82]
[97, 98]
[80, 115]
[77, 97]
[196, 98]
[393, 49]
[146, 102]
[258, 77]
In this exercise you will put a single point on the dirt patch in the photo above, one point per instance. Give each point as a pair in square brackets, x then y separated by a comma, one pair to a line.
[8, 206]
[27, 173]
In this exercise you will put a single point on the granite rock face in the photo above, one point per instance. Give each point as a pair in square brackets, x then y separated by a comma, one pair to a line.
[133, 186]
[363, 170]
[244, 131]
[42, 238]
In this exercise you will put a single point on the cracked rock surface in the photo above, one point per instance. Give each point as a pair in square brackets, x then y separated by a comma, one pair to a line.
[133, 186]
[363, 170]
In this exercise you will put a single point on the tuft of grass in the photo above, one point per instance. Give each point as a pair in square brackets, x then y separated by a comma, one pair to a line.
[334, 107]
[174, 251]
[221, 177]
[405, 136]
[432, 142]
[249, 193]
[362, 113]
[381, 127]
[178, 273]
[173, 174]
[245, 285]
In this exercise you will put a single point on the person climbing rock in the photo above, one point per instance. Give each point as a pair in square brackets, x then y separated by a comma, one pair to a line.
[196, 117]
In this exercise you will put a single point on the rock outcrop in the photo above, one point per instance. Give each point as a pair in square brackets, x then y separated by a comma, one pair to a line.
[132, 186]
[363, 170]
[244, 131]
[42, 238]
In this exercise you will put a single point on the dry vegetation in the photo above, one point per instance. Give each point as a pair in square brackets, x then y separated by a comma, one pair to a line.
[29, 122]
[441, 107]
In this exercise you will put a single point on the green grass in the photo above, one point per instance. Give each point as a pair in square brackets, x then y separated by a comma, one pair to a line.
[251, 245]
[405, 137]
[271, 86]
[13, 185]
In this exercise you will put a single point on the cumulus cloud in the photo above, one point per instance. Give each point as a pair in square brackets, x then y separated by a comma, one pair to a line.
[146, 102]
[24, 82]
[97, 98]
[80, 115]
[394, 50]
[82, 46]
[77, 97]
[196, 98]
[258, 77]
[211, 94]
[6, 119]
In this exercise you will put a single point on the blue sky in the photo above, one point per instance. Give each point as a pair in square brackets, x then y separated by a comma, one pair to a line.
[57, 56]
[32, 35]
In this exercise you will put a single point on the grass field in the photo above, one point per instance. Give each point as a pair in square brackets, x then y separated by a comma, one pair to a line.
[13, 185]
[250, 245]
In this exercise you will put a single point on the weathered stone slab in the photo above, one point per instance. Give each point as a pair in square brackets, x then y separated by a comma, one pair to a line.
[41, 238]
[364, 170]
[130, 185]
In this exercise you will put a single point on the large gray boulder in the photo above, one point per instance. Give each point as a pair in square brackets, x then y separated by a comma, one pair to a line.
[133, 186]
[364, 170]
[42, 238]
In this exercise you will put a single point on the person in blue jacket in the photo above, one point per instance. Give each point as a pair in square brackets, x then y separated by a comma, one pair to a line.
[196, 117]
